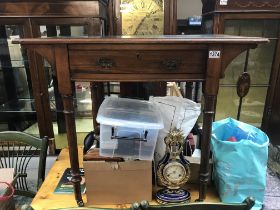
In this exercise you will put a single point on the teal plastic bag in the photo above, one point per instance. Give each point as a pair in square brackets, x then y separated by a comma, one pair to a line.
[240, 153]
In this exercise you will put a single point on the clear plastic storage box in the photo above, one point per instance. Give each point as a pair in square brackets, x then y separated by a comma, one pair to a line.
[128, 128]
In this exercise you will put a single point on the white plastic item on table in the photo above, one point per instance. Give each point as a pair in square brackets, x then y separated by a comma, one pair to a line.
[176, 112]
[128, 128]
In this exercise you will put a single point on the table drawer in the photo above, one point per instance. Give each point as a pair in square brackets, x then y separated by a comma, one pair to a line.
[148, 62]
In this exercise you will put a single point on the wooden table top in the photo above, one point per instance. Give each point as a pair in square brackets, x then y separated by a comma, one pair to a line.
[157, 39]
[46, 199]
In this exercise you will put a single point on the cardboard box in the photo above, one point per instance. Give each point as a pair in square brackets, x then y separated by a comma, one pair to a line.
[118, 182]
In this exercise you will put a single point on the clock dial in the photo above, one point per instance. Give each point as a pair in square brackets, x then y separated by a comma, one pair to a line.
[174, 172]
[142, 17]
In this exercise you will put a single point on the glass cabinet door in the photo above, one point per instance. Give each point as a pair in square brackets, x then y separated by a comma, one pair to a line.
[81, 89]
[82, 92]
[17, 104]
[17, 110]
[259, 67]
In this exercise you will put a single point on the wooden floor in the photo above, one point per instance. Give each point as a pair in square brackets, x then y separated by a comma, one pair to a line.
[46, 199]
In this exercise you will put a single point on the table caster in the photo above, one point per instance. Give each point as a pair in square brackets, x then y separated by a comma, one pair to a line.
[81, 203]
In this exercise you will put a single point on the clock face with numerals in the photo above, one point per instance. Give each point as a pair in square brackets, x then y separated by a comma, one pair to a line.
[142, 17]
[174, 172]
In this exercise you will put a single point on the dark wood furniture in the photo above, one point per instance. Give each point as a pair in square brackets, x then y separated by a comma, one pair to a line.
[272, 129]
[157, 58]
[251, 18]
[29, 16]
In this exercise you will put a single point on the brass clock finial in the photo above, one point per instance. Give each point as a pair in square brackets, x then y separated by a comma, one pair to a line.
[174, 142]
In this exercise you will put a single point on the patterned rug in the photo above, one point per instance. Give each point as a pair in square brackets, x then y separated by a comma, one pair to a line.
[272, 191]
[22, 203]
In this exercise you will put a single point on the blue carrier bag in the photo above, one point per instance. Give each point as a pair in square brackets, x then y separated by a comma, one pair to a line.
[240, 153]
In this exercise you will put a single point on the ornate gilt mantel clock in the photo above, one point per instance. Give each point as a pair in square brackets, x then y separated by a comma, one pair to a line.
[173, 170]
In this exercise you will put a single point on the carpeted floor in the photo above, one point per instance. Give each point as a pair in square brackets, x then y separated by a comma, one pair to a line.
[272, 192]
[22, 203]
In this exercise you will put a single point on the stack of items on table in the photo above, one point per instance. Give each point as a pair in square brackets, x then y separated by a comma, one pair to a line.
[120, 171]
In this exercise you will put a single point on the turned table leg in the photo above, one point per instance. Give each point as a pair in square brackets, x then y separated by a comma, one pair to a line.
[208, 115]
[65, 89]
[97, 96]
[210, 91]
[73, 147]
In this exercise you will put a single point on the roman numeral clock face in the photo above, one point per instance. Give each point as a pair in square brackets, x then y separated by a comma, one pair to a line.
[142, 17]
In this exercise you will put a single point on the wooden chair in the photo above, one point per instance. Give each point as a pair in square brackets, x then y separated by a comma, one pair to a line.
[16, 151]
[247, 204]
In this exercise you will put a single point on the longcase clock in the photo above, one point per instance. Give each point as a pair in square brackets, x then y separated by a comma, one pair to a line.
[144, 17]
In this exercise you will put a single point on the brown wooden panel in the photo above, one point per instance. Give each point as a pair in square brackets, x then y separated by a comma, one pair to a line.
[145, 41]
[170, 17]
[53, 8]
[137, 61]
[255, 16]
[241, 5]
[274, 120]
[208, 6]
[251, 5]
[61, 21]
[136, 77]
[136, 46]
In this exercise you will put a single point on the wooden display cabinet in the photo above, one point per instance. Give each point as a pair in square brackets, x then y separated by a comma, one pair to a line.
[249, 18]
[28, 18]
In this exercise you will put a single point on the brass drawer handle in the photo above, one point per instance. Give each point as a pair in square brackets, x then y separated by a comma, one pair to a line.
[105, 63]
[171, 64]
